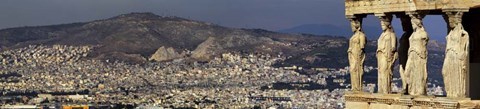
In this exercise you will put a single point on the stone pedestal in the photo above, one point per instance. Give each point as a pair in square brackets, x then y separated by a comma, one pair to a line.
[378, 106]
[396, 106]
[357, 105]
[397, 101]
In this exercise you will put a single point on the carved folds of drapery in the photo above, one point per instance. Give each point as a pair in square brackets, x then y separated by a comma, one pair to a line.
[356, 53]
[455, 67]
[417, 56]
[386, 54]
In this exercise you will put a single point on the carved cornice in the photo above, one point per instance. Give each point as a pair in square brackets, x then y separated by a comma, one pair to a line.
[353, 7]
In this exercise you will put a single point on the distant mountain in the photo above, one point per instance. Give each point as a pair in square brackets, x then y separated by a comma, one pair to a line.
[328, 29]
[138, 37]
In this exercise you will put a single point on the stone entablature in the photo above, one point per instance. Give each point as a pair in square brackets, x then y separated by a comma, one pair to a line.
[398, 101]
[353, 7]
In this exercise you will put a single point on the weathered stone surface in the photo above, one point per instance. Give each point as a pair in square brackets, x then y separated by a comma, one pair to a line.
[398, 101]
[203, 51]
[356, 105]
[377, 106]
[413, 53]
[417, 57]
[421, 107]
[386, 54]
[163, 54]
[455, 67]
[394, 106]
[356, 53]
[353, 7]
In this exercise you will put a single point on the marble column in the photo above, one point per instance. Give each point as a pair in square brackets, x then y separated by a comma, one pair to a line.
[386, 53]
[403, 49]
[356, 52]
[455, 66]
[416, 65]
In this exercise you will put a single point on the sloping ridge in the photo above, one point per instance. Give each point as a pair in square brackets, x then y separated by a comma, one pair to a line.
[125, 36]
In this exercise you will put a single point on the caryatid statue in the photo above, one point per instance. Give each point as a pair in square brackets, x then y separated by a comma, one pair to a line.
[455, 66]
[417, 57]
[403, 49]
[356, 53]
[386, 54]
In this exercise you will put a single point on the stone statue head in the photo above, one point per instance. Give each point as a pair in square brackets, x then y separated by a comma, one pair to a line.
[356, 25]
[386, 22]
[417, 22]
[454, 19]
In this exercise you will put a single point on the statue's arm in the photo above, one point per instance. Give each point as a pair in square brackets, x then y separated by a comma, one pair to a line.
[467, 43]
[394, 46]
[363, 41]
[393, 43]
[350, 44]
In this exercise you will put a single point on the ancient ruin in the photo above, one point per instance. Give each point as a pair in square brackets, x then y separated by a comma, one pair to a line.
[356, 53]
[455, 68]
[386, 54]
[462, 54]
[417, 57]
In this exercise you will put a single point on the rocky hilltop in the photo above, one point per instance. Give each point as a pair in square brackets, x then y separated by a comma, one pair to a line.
[143, 37]
[135, 37]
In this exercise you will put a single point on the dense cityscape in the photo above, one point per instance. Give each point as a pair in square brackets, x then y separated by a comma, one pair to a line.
[61, 75]
[224, 81]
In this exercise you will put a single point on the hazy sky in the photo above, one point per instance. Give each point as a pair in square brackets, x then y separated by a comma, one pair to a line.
[265, 14]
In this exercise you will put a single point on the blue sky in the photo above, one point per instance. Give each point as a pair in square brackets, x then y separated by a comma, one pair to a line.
[265, 14]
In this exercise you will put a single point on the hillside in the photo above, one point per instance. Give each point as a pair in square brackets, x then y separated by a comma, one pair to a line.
[143, 37]
[140, 37]
[135, 37]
